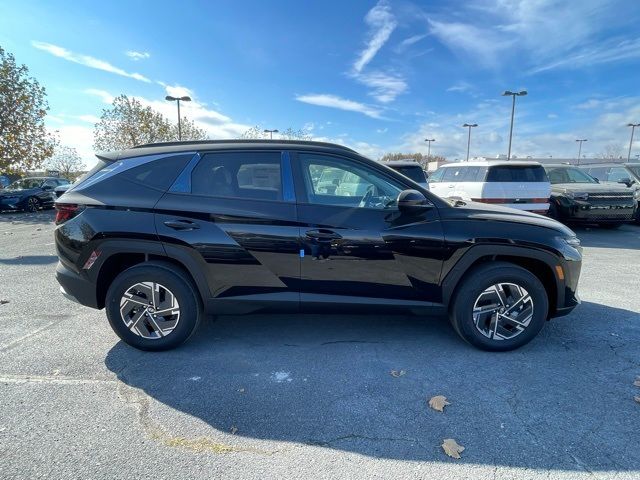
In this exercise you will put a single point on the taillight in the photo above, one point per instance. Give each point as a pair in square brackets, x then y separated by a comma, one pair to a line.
[66, 211]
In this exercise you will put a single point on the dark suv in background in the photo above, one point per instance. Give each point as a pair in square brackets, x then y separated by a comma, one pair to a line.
[577, 197]
[624, 173]
[161, 234]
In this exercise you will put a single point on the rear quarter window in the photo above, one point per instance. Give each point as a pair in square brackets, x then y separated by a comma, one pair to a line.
[517, 173]
[158, 174]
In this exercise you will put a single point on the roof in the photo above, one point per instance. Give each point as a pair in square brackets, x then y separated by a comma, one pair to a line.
[559, 165]
[190, 146]
[490, 162]
[612, 164]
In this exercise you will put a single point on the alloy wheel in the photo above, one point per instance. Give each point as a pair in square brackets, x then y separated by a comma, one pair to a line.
[33, 204]
[149, 310]
[503, 311]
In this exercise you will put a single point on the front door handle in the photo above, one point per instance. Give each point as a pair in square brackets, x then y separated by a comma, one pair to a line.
[451, 186]
[323, 234]
[184, 225]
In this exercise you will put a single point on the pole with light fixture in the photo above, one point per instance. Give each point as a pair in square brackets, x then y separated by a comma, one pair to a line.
[429, 140]
[580, 140]
[633, 128]
[469, 126]
[270, 132]
[178, 100]
[508, 93]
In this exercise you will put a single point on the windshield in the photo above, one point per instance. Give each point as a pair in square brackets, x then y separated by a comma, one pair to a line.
[569, 175]
[635, 170]
[414, 172]
[25, 184]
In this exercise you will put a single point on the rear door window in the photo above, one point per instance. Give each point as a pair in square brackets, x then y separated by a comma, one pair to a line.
[517, 173]
[249, 175]
[414, 172]
[451, 174]
[436, 176]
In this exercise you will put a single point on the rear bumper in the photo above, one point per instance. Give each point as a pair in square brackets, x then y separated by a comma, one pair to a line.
[76, 287]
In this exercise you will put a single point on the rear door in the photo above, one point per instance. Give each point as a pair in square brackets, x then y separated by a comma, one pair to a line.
[356, 246]
[445, 188]
[232, 214]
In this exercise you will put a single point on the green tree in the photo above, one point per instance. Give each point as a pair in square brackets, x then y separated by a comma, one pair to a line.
[421, 158]
[257, 132]
[24, 140]
[67, 161]
[127, 123]
[254, 133]
[189, 130]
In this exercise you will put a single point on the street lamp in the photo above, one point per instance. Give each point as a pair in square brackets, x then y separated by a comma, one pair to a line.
[429, 140]
[178, 100]
[513, 110]
[270, 132]
[580, 140]
[469, 126]
[633, 128]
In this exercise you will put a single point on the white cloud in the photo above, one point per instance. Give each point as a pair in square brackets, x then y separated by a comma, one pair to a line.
[461, 86]
[86, 60]
[407, 42]
[89, 118]
[135, 56]
[381, 24]
[105, 96]
[334, 101]
[384, 87]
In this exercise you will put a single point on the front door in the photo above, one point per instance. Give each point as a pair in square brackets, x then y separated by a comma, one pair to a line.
[357, 247]
[234, 213]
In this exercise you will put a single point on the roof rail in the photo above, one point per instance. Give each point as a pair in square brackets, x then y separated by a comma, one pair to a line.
[240, 140]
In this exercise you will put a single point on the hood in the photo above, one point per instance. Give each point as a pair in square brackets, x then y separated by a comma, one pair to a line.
[483, 211]
[589, 187]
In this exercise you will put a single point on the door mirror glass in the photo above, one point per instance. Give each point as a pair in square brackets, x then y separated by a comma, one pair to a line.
[627, 181]
[412, 201]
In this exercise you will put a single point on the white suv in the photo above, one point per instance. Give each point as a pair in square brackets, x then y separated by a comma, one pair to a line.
[515, 184]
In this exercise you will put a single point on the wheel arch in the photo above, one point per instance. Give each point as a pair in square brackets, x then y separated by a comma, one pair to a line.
[541, 263]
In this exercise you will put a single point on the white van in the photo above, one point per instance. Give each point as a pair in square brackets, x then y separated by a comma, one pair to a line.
[516, 184]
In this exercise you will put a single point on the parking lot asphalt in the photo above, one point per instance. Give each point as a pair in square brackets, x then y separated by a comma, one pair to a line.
[274, 396]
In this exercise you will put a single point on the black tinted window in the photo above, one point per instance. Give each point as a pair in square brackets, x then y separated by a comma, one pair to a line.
[414, 172]
[517, 173]
[254, 175]
[159, 173]
[473, 174]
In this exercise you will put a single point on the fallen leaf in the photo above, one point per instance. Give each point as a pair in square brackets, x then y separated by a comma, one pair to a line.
[234, 430]
[451, 447]
[637, 382]
[397, 373]
[438, 403]
[2, 302]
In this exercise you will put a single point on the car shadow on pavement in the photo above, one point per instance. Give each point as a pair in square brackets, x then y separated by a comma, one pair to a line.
[29, 260]
[564, 401]
[626, 237]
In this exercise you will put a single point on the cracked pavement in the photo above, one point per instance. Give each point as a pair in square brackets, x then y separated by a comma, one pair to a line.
[273, 396]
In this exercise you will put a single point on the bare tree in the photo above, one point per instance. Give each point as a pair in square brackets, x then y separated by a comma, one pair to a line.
[611, 151]
[257, 132]
[416, 157]
[189, 130]
[24, 141]
[67, 161]
[254, 133]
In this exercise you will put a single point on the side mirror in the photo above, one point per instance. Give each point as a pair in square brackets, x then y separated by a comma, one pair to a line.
[626, 181]
[47, 187]
[412, 201]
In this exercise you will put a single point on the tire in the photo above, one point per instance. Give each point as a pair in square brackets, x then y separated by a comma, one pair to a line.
[176, 298]
[32, 205]
[610, 226]
[475, 291]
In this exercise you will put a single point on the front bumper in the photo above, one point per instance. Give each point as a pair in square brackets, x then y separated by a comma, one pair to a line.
[76, 287]
[585, 211]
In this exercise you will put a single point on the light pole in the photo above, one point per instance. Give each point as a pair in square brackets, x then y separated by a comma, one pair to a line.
[580, 140]
[513, 110]
[270, 132]
[429, 140]
[178, 99]
[633, 128]
[469, 126]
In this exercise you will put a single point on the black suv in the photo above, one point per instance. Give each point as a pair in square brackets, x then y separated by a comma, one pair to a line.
[577, 197]
[161, 234]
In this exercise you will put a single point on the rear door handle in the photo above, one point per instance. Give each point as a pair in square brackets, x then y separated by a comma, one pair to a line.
[323, 234]
[451, 186]
[184, 225]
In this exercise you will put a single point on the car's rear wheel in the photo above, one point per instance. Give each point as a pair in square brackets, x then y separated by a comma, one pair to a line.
[499, 306]
[33, 205]
[153, 307]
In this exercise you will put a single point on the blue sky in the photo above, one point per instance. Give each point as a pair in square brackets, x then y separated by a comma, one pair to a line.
[378, 76]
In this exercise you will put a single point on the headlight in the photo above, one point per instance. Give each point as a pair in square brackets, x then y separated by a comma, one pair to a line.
[572, 241]
[578, 195]
[636, 194]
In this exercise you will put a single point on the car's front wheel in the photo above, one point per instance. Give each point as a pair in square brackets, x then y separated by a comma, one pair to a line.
[153, 307]
[33, 205]
[499, 306]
